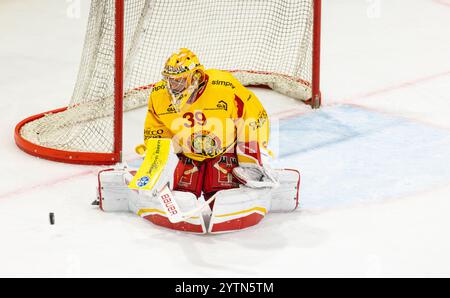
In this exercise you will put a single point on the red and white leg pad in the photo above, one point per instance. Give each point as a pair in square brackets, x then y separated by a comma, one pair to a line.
[244, 207]
[113, 193]
[115, 196]
[239, 209]
[285, 198]
[150, 209]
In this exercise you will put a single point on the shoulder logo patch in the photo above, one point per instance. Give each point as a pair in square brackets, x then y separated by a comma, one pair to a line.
[171, 109]
[222, 105]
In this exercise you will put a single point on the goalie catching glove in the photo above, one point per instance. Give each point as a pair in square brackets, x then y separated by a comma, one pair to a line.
[256, 176]
[252, 171]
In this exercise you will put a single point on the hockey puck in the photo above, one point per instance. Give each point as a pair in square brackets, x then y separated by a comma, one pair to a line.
[52, 218]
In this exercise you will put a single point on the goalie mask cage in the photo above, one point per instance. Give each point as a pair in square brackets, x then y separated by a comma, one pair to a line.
[275, 43]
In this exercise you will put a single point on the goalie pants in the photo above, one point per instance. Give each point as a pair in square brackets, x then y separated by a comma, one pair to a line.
[208, 176]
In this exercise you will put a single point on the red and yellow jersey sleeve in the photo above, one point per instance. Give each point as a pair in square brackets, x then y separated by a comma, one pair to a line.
[154, 127]
[252, 126]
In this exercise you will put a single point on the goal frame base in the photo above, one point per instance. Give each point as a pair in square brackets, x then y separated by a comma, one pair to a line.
[71, 157]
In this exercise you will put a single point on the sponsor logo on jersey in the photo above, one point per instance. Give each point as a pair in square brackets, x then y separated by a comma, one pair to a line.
[171, 109]
[153, 134]
[221, 105]
[258, 123]
[157, 88]
[223, 83]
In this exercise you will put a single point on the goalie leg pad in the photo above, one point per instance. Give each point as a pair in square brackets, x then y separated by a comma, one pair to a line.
[244, 207]
[114, 195]
[150, 209]
[112, 192]
[238, 209]
[285, 197]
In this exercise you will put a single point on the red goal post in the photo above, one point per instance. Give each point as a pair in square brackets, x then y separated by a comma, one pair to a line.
[89, 130]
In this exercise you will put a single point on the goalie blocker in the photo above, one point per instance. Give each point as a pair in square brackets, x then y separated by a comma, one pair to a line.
[148, 194]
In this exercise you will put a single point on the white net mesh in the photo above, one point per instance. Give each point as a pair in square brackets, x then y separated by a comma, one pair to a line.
[263, 42]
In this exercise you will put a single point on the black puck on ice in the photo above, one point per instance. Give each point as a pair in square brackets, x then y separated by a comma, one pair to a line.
[52, 218]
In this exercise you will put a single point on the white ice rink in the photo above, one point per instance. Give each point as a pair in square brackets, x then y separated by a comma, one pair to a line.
[375, 160]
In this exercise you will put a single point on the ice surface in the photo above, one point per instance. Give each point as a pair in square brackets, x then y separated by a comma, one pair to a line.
[364, 156]
[376, 183]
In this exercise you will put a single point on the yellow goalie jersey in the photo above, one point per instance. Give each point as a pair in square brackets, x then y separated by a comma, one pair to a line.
[223, 116]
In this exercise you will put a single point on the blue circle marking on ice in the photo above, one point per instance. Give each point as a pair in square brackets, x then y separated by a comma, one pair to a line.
[143, 181]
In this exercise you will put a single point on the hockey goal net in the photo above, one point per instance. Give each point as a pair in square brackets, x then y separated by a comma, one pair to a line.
[272, 42]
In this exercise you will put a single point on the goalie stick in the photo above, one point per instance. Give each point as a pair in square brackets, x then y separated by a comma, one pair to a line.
[156, 166]
[173, 211]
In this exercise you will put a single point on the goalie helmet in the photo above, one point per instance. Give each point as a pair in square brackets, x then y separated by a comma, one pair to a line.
[183, 74]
